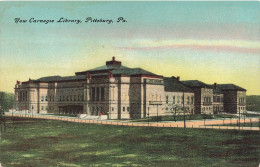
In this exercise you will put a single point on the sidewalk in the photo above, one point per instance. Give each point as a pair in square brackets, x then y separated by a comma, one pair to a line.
[189, 124]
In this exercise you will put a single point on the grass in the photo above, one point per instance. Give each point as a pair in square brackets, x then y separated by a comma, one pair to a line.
[35, 142]
[251, 115]
[187, 117]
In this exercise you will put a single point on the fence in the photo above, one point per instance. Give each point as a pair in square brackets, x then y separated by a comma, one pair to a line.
[209, 124]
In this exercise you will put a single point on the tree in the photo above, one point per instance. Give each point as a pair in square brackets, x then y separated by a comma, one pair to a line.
[6, 101]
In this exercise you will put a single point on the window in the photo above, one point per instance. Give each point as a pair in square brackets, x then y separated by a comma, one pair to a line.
[178, 99]
[46, 107]
[42, 107]
[123, 108]
[112, 108]
[159, 98]
[97, 97]
[192, 98]
[128, 109]
[102, 93]
[188, 100]
[173, 99]
[70, 97]
[75, 97]
[112, 93]
[93, 94]
[50, 98]
[166, 108]
[167, 99]
[42, 98]
[46, 98]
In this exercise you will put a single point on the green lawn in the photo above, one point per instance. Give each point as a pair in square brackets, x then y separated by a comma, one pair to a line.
[31, 142]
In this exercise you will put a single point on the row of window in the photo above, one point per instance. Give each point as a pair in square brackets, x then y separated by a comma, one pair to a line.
[180, 108]
[101, 109]
[22, 96]
[206, 108]
[217, 108]
[217, 99]
[126, 109]
[97, 94]
[72, 98]
[242, 100]
[207, 99]
[64, 98]
[190, 100]
[155, 97]
[46, 107]
[45, 98]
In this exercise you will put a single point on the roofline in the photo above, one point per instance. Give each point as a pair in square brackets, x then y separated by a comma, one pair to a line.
[243, 90]
[179, 91]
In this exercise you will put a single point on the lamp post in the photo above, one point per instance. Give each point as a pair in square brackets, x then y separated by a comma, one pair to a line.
[13, 114]
[239, 118]
[148, 116]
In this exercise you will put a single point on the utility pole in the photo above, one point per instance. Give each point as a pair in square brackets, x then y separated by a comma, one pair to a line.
[183, 109]
[239, 118]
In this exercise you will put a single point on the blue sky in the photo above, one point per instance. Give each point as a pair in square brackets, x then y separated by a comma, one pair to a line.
[209, 41]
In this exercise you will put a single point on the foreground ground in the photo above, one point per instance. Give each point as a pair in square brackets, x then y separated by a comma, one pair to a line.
[35, 142]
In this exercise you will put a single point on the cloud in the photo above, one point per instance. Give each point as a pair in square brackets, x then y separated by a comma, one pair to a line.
[207, 45]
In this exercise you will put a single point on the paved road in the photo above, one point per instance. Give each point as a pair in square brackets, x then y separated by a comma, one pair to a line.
[207, 124]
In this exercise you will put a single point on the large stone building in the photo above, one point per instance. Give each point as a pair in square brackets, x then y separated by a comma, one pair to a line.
[125, 93]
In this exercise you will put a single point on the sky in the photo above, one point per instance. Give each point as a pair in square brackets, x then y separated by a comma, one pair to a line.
[207, 41]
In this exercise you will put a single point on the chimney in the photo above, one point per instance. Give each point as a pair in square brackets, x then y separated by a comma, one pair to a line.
[178, 78]
[113, 62]
[215, 85]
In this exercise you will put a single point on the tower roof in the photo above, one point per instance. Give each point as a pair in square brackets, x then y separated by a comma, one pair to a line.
[116, 68]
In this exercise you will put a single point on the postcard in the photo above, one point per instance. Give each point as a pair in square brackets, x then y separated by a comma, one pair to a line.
[126, 83]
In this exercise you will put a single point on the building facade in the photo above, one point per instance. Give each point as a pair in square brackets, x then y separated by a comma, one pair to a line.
[125, 93]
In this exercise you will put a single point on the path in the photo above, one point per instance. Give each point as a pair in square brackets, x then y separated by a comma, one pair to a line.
[207, 124]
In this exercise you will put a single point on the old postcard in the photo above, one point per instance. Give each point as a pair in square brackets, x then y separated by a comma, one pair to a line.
[129, 83]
